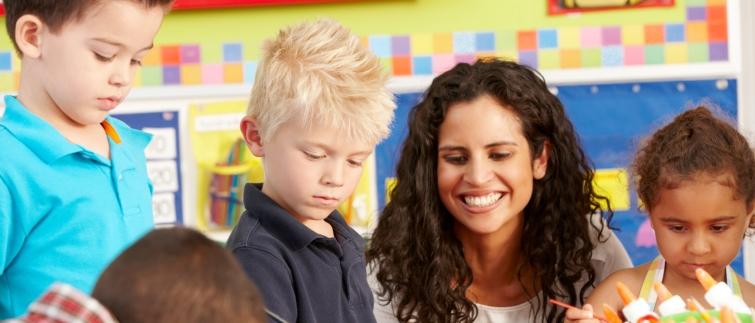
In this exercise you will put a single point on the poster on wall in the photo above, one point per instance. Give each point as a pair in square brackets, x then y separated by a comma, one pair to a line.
[611, 121]
[557, 7]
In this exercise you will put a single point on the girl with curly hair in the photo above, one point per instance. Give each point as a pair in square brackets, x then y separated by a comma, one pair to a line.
[494, 211]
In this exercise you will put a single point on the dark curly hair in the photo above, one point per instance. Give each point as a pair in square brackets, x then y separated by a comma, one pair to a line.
[421, 266]
[695, 142]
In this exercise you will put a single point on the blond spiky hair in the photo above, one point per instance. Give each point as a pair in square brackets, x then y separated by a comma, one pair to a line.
[319, 71]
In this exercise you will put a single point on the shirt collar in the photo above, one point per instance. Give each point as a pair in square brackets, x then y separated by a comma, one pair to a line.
[38, 135]
[283, 225]
[65, 303]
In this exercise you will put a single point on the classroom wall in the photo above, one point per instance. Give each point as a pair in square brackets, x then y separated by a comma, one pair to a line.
[204, 63]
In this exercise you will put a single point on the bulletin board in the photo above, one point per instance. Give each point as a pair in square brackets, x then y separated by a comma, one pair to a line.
[163, 161]
[611, 120]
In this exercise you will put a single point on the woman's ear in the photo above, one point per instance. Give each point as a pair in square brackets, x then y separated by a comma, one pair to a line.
[540, 163]
[251, 131]
[28, 35]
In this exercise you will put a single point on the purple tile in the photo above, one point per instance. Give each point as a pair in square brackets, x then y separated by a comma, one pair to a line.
[528, 58]
[171, 74]
[190, 54]
[611, 36]
[400, 45]
[696, 14]
[719, 51]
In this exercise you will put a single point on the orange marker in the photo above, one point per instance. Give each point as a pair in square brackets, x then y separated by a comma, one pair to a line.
[611, 315]
[635, 309]
[727, 315]
[695, 306]
[705, 279]
[624, 292]
[668, 304]
[662, 291]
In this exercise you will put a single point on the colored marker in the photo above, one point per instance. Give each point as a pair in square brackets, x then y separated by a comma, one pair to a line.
[669, 304]
[718, 294]
[564, 305]
[695, 306]
[611, 315]
[635, 309]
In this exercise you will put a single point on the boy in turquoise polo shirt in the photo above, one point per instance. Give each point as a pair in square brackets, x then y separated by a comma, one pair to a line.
[73, 183]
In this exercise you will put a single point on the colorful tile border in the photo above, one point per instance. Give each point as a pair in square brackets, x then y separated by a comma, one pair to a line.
[702, 37]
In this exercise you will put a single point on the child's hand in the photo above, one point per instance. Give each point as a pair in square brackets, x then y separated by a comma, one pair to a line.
[584, 315]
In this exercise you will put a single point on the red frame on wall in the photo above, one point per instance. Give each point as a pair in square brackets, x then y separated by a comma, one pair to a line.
[207, 4]
[555, 8]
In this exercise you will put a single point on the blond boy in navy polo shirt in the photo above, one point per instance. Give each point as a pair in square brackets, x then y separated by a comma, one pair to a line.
[318, 107]
[73, 184]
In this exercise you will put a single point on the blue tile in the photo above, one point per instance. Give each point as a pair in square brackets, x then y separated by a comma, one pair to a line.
[380, 45]
[250, 68]
[232, 52]
[485, 42]
[547, 38]
[612, 56]
[422, 65]
[464, 42]
[5, 61]
[675, 33]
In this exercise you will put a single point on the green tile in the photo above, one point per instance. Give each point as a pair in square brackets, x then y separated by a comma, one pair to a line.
[591, 57]
[697, 3]
[697, 52]
[387, 63]
[152, 75]
[654, 54]
[505, 40]
[548, 59]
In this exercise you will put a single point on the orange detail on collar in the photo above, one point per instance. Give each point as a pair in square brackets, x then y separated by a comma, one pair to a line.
[110, 131]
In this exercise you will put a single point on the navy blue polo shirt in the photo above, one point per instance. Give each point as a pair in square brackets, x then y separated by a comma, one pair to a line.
[303, 276]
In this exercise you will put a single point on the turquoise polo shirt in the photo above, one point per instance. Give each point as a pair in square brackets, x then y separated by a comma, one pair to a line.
[65, 211]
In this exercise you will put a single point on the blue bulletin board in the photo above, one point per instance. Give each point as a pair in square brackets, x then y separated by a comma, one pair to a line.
[163, 162]
[611, 120]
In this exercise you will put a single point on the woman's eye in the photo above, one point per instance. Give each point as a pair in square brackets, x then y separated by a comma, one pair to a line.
[456, 160]
[499, 156]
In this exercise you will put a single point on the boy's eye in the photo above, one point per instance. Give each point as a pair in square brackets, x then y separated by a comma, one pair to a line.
[136, 62]
[455, 159]
[717, 228]
[313, 156]
[103, 58]
[355, 163]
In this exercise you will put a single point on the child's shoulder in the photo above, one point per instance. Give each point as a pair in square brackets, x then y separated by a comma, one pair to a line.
[606, 292]
[748, 290]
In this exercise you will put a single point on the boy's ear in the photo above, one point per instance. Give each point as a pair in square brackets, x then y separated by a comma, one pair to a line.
[28, 35]
[540, 163]
[251, 131]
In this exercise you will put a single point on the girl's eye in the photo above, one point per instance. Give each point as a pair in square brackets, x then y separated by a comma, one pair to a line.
[677, 228]
[456, 160]
[102, 58]
[136, 62]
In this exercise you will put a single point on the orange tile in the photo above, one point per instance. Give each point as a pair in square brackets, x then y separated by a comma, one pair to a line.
[654, 34]
[717, 31]
[526, 40]
[442, 43]
[570, 58]
[716, 14]
[233, 73]
[153, 57]
[191, 74]
[402, 65]
[170, 55]
[697, 32]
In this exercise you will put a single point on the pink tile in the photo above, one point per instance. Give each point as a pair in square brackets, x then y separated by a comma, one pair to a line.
[212, 73]
[591, 37]
[443, 62]
[634, 55]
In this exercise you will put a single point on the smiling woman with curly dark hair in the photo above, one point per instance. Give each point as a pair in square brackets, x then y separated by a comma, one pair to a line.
[494, 211]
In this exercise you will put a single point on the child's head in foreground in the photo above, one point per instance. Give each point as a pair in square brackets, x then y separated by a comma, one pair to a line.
[318, 107]
[178, 275]
[695, 177]
[80, 56]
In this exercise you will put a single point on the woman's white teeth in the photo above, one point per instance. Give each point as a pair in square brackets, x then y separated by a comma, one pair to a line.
[482, 201]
